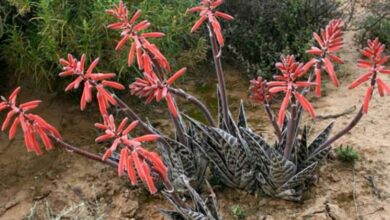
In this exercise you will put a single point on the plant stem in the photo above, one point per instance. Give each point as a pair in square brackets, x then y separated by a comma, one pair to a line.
[272, 118]
[311, 79]
[343, 132]
[132, 115]
[220, 74]
[291, 131]
[196, 102]
[179, 128]
[111, 163]
[352, 124]
[82, 152]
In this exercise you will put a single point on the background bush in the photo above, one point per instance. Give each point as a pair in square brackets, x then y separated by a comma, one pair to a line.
[264, 29]
[376, 24]
[36, 33]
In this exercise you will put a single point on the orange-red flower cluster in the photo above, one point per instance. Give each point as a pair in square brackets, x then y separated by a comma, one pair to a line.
[151, 87]
[141, 48]
[374, 62]
[329, 41]
[287, 83]
[73, 67]
[32, 125]
[133, 157]
[259, 90]
[206, 11]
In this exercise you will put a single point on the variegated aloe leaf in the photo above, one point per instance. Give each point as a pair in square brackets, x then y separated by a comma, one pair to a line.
[282, 143]
[173, 160]
[209, 136]
[214, 152]
[199, 209]
[242, 121]
[195, 140]
[302, 152]
[320, 139]
[232, 152]
[229, 126]
[199, 203]
[260, 150]
[229, 155]
[313, 155]
[298, 180]
[316, 157]
[281, 169]
[237, 157]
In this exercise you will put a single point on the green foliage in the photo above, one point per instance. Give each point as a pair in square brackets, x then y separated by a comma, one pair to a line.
[38, 33]
[238, 212]
[176, 24]
[375, 26]
[265, 29]
[347, 154]
[22, 6]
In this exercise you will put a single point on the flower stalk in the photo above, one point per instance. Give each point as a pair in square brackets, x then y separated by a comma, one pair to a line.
[220, 74]
[202, 107]
[291, 130]
[272, 118]
[73, 149]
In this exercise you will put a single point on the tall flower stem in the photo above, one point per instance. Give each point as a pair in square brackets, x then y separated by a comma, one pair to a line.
[114, 164]
[220, 74]
[272, 118]
[132, 115]
[291, 130]
[351, 125]
[81, 152]
[196, 102]
[178, 125]
[145, 127]
[311, 79]
[344, 131]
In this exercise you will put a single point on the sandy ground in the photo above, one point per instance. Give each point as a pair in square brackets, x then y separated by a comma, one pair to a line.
[60, 184]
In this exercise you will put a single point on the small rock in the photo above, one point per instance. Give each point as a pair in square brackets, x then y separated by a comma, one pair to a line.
[129, 209]
[335, 212]
[334, 178]
[111, 192]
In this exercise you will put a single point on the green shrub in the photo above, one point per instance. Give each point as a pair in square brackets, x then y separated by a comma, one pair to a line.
[39, 32]
[375, 23]
[264, 29]
[375, 26]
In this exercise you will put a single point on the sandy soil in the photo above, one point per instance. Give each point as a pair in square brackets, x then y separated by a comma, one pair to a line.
[60, 184]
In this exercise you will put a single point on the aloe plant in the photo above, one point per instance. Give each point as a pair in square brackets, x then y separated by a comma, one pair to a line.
[229, 149]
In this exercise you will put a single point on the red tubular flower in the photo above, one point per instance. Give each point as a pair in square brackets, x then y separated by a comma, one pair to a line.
[287, 83]
[329, 41]
[32, 125]
[206, 11]
[140, 46]
[133, 157]
[259, 91]
[73, 67]
[375, 63]
[152, 88]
